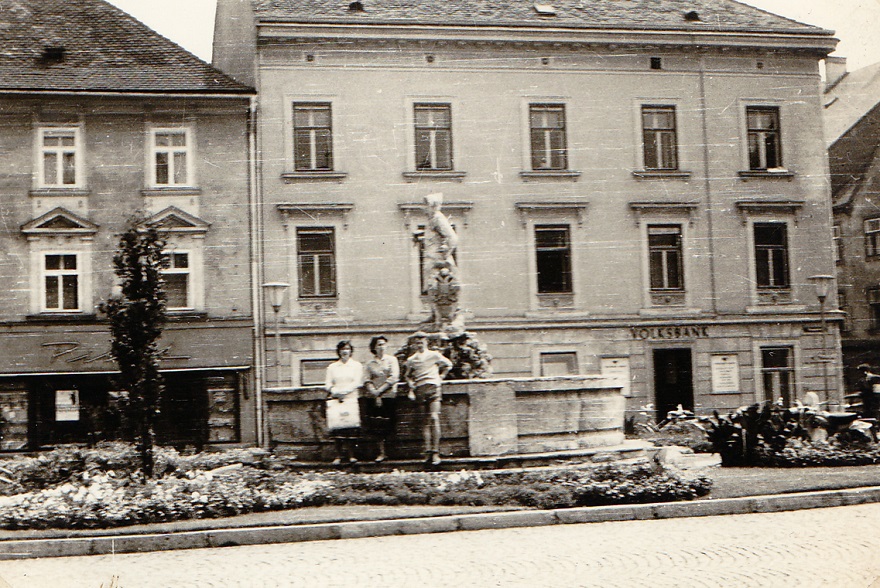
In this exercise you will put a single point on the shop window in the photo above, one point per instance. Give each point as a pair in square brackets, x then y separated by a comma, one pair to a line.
[61, 282]
[312, 372]
[763, 137]
[553, 259]
[312, 137]
[659, 138]
[60, 157]
[547, 137]
[771, 256]
[777, 373]
[559, 363]
[316, 254]
[433, 128]
[172, 160]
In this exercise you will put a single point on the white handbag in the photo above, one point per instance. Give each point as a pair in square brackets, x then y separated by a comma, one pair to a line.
[344, 413]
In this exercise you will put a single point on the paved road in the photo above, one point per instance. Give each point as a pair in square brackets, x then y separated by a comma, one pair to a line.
[826, 547]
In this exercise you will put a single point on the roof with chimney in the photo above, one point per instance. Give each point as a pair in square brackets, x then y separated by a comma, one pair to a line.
[92, 46]
[676, 15]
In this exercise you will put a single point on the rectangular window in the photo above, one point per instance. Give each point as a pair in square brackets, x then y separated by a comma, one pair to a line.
[316, 255]
[837, 243]
[659, 136]
[665, 257]
[874, 306]
[763, 135]
[553, 259]
[171, 157]
[771, 255]
[777, 373]
[547, 130]
[561, 363]
[872, 237]
[313, 372]
[312, 137]
[433, 126]
[61, 282]
[844, 308]
[176, 273]
[58, 157]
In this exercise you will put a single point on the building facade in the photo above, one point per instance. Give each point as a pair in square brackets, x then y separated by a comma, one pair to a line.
[852, 125]
[637, 192]
[102, 120]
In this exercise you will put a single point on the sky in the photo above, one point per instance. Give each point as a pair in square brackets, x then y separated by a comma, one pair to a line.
[856, 22]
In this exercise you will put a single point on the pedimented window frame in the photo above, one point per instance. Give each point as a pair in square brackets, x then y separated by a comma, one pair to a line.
[60, 231]
[184, 233]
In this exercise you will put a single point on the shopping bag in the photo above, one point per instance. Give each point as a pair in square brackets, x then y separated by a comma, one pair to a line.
[344, 413]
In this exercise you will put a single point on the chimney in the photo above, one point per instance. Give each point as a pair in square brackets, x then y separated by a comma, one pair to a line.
[835, 69]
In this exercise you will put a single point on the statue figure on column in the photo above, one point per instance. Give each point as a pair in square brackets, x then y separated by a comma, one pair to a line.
[439, 271]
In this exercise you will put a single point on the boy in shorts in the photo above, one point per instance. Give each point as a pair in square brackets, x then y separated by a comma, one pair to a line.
[424, 372]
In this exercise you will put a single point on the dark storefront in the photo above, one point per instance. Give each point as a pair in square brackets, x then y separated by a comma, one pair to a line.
[64, 390]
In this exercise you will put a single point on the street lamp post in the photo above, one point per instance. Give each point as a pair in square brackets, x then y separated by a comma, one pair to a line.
[276, 292]
[823, 287]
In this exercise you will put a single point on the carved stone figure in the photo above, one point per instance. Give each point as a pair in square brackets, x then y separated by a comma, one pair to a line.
[439, 271]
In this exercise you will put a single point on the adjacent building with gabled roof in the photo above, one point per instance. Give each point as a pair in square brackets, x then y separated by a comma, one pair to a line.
[102, 119]
[852, 132]
[639, 187]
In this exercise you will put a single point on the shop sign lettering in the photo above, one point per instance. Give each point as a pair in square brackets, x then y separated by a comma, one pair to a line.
[76, 352]
[682, 332]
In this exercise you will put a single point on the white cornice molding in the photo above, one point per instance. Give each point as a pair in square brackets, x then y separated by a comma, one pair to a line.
[452, 35]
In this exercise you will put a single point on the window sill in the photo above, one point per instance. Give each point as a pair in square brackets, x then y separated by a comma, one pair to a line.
[550, 174]
[45, 192]
[186, 315]
[61, 317]
[774, 173]
[667, 311]
[171, 191]
[313, 176]
[439, 175]
[660, 173]
[776, 308]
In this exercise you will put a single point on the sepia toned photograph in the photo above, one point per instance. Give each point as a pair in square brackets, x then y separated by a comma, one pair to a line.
[441, 293]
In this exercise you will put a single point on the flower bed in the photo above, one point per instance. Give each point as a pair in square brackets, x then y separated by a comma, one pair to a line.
[798, 453]
[102, 489]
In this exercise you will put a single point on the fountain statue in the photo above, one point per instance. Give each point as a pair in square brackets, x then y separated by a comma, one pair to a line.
[439, 270]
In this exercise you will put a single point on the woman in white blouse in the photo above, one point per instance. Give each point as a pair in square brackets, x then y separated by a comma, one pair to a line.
[344, 378]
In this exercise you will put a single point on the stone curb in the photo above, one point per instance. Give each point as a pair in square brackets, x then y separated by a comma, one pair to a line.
[227, 537]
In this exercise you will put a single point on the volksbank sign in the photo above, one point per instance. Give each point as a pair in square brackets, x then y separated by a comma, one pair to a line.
[682, 332]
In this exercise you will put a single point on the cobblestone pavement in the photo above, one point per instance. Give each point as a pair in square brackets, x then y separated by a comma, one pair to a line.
[812, 548]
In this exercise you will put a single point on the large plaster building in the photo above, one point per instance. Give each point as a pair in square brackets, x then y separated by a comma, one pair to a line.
[639, 188]
[101, 118]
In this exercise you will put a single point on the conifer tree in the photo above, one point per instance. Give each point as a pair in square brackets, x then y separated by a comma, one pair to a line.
[137, 316]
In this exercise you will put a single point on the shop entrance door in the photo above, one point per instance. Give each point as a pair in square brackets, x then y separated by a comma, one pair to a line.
[673, 380]
[184, 414]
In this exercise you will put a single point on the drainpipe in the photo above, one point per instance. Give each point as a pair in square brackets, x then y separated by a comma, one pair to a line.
[707, 179]
[255, 208]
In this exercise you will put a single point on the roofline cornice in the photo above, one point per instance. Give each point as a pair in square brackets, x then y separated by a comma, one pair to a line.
[821, 42]
[237, 94]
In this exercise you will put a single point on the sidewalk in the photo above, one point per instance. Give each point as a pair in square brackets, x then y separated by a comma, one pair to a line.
[735, 491]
